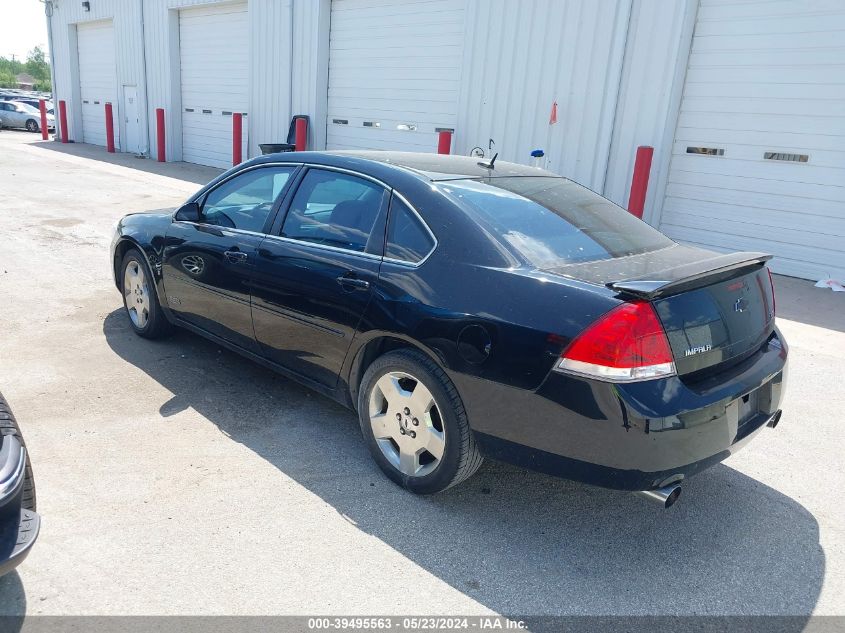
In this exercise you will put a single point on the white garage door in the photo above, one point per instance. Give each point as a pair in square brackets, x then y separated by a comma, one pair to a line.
[214, 50]
[765, 94]
[97, 79]
[394, 73]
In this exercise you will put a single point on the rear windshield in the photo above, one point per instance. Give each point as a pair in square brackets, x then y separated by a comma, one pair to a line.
[553, 221]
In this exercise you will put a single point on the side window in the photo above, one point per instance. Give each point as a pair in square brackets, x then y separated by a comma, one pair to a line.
[407, 239]
[245, 201]
[335, 209]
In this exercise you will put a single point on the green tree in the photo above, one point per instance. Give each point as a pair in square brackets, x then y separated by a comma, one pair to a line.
[36, 65]
[7, 78]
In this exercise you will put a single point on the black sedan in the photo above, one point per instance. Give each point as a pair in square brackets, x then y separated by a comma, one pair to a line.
[19, 524]
[469, 309]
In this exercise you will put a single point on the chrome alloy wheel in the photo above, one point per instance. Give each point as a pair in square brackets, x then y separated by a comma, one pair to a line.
[136, 294]
[406, 424]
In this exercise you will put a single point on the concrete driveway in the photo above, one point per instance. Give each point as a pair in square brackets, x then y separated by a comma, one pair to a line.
[177, 478]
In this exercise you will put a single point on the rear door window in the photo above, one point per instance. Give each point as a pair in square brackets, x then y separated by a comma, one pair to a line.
[337, 209]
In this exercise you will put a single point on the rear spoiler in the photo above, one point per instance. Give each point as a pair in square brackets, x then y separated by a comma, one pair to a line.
[688, 276]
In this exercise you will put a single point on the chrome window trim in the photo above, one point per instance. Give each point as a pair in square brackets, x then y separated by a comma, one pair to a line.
[326, 247]
[286, 239]
[350, 172]
[337, 249]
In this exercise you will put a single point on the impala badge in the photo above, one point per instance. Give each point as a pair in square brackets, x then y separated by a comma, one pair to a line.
[741, 305]
[698, 350]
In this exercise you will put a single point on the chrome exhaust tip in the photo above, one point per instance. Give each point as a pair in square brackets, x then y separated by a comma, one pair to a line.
[666, 496]
[773, 421]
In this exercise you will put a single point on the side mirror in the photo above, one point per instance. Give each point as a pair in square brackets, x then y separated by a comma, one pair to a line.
[189, 212]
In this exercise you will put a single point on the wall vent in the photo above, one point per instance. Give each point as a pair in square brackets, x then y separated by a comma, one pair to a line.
[706, 151]
[794, 158]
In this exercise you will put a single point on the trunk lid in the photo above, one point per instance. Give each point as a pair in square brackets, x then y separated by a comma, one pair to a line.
[716, 308]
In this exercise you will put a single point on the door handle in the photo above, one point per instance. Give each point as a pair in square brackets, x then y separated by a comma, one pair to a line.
[235, 257]
[345, 280]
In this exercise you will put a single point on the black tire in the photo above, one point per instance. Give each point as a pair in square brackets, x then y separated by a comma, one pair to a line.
[32, 125]
[9, 426]
[156, 325]
[461, 457]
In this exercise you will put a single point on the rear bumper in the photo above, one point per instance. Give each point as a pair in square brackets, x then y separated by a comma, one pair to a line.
[18, 527]
[636, 436]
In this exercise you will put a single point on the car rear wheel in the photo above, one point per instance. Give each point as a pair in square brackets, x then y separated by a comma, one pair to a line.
[140, 298]
[415, 424]
[8, 426]
[32, 125]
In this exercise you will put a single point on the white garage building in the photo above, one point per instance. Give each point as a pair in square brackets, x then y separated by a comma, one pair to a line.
[743, 101]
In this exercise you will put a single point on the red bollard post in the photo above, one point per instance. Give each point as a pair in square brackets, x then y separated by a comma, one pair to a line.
[109, 129]
[160, 133]
[63, 120]
[237, 138]
[42, 106]
[301, 138]
[444, 142]
[639, 181]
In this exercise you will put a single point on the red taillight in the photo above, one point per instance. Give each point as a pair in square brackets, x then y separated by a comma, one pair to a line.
[628, 343]
[772, 282]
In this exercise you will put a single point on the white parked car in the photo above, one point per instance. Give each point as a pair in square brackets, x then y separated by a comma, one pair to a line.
[21, 115]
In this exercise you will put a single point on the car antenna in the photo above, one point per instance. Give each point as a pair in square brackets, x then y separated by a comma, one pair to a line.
[492, 163]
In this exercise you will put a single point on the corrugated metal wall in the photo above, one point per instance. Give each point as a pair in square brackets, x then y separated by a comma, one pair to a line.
[523, 56]
[156, 26]
[656, 52]
[270, 68]
[271, 46]
[381, 97]
[310, 69]
[758, 162]
[128, 54]
[161, 35]
[593, 57]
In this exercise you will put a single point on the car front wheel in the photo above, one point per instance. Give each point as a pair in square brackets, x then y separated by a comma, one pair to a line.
[415, 424]
[32, 125]
[140, 299]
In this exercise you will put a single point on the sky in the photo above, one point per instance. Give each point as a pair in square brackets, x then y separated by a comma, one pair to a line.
[22, 28]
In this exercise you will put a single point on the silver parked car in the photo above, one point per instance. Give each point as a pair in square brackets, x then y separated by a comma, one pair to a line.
[32, 102]
[21, 115]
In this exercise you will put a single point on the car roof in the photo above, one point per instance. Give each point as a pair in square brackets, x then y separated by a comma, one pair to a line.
[444, 166]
